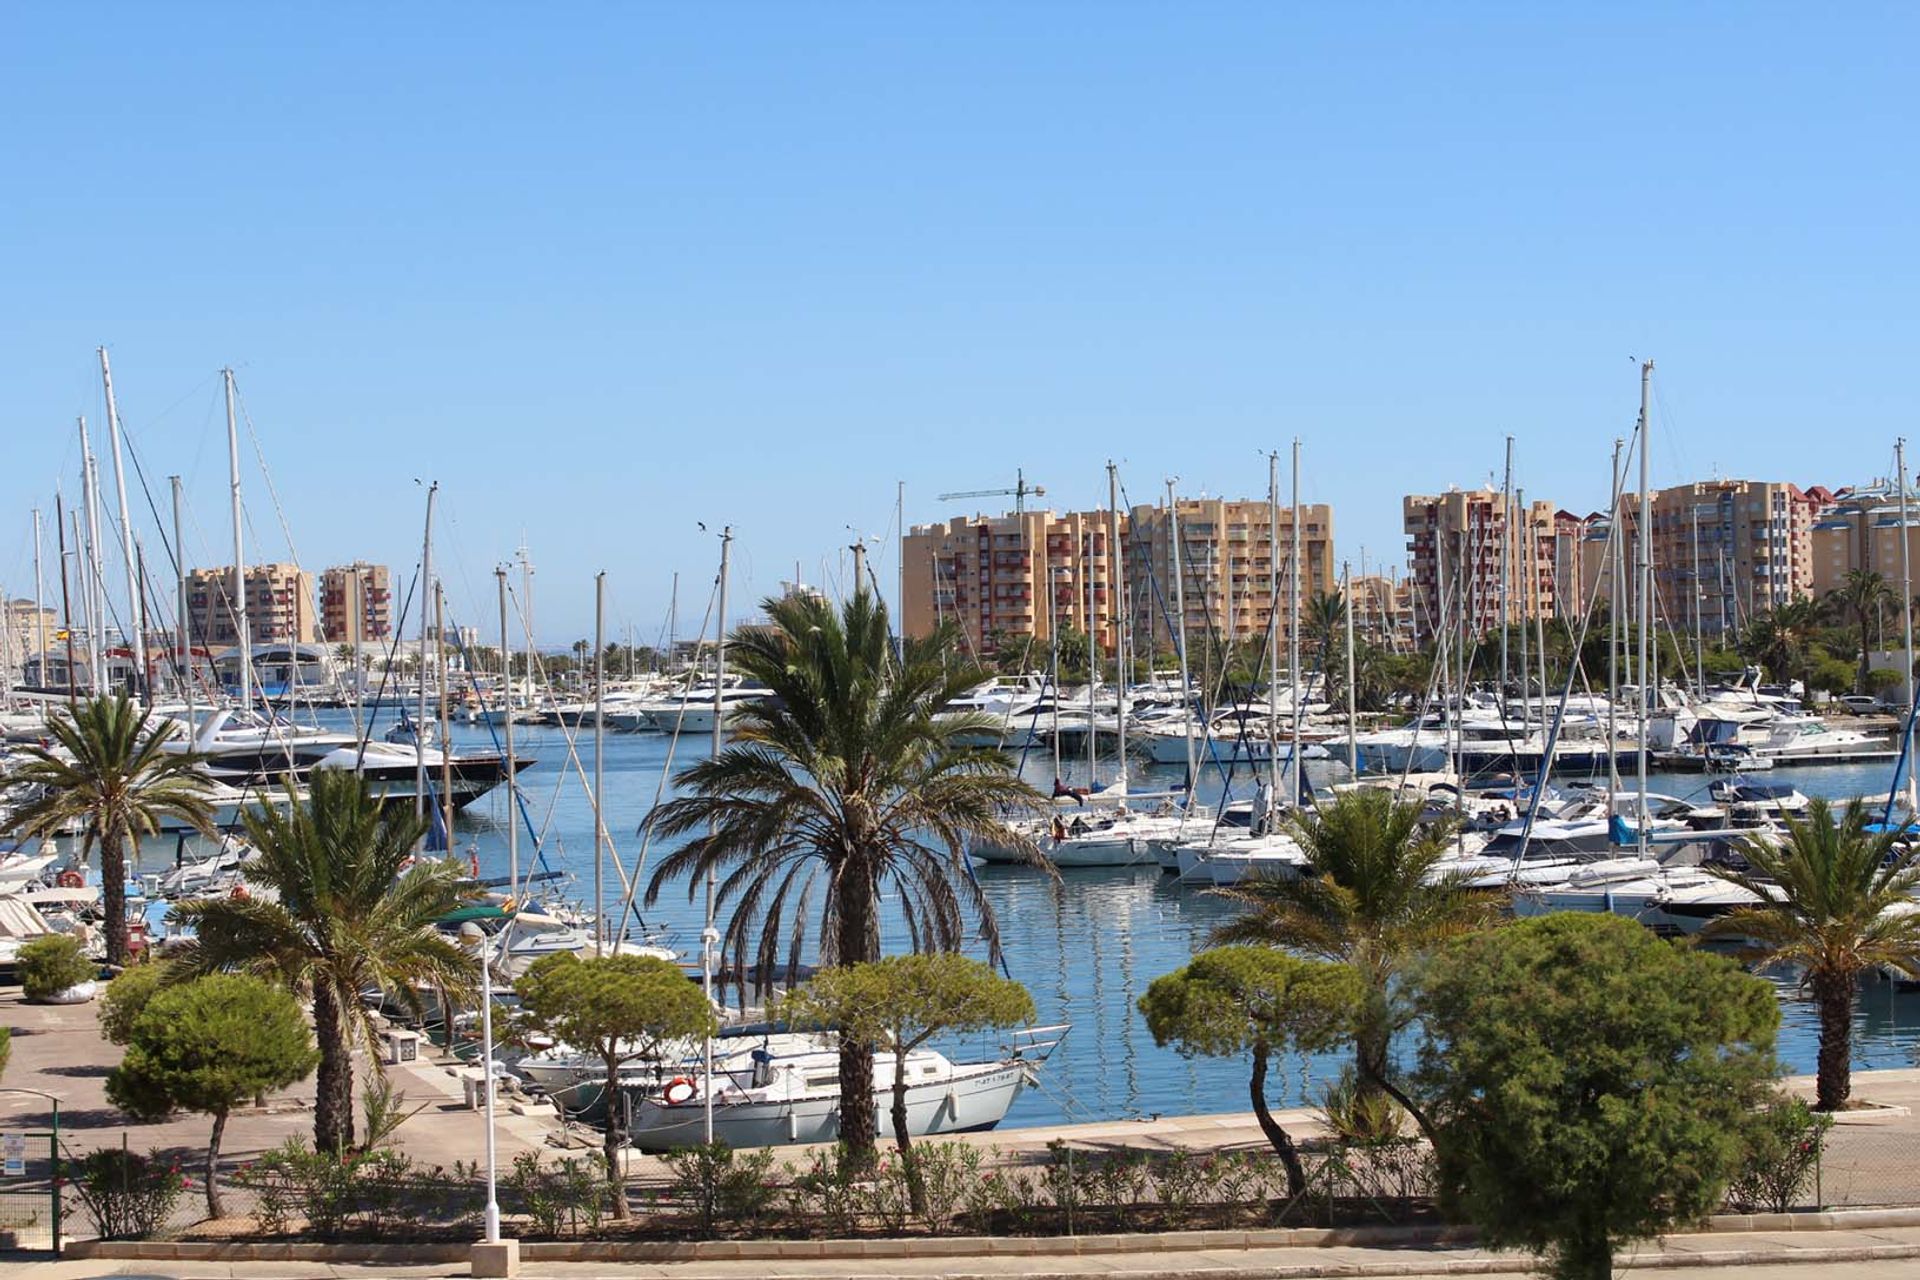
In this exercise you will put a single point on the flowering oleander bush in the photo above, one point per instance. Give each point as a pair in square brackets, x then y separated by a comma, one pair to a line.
[1784, 1145]
[127, 1195]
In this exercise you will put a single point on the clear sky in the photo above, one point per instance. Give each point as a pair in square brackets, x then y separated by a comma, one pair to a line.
[609, 270]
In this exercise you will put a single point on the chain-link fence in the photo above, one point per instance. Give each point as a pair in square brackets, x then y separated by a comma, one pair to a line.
[29, 1205]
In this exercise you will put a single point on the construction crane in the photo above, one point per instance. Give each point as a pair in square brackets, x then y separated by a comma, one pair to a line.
[1018, 493]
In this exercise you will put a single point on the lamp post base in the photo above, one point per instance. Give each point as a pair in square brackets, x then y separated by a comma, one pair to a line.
[495, 1260]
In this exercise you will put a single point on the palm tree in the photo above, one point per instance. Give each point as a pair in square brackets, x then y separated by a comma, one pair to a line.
[1373, 902]
[1861, 595]
[1323, 624]
[844, 786]
[1835, 899]
[349, 910]
[110, 772]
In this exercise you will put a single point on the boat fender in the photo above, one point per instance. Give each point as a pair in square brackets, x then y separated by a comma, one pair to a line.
[679, 1089]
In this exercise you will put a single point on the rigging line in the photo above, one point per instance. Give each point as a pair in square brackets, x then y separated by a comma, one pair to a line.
[645, 830]
[260, 456]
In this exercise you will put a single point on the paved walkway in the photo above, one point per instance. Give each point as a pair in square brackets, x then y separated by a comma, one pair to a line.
[1852, 1254]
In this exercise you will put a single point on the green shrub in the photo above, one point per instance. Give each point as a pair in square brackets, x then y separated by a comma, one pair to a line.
[126, 997]
[127, 1195]
[1881, 679]
[560, 1196]
[1354, 1114]
[50, 965]
[1784, 1145]
[723, 1185]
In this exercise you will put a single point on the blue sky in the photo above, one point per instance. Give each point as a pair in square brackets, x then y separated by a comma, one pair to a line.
[606, 271]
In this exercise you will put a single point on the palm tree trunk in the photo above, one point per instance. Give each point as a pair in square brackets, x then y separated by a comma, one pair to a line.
[1833, 998]
[615, 1138]
[1282, 1142]
[213, 1165]
[856, 945]
[1866, 635]
[113, 883]
[333, 1082]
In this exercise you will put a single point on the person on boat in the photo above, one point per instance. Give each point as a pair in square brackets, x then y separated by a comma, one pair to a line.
[1263, 807]
[1061, 791]
[1057, 829]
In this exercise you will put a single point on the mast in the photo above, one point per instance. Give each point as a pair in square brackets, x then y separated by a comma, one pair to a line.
[420, 716]
[1293, 625]
[86, 597]
[1527, 579]
[136, 601]
[1506, 568]
[1699, 607]
[66, 603]
[94, 592]
[1353, 741]
[242, 628]
[709, 936]
[599, 756]
[1093, 655]
[39, 608]
[513, 807]
[1116, 606]
[1644, 546]
[441, 681]
[180, 603]
[1616, 591]
[1906, 612]
[526, 603]
[1273, 621]
[900, 567]
[1180, 627]
[359, 617]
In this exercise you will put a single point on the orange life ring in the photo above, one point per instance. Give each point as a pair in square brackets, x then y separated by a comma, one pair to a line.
[679, 1089]
[70, 879]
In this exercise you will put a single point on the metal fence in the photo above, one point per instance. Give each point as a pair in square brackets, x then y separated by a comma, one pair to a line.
[30, 1209]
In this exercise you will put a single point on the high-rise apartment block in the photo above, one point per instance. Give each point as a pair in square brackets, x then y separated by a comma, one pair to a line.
[280, 605]
[1464, 542]
[1020, 576]
[1863, 528]
[356, 590]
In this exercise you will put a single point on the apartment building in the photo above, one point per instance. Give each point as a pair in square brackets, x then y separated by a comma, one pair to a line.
[280, 605]
[1465, 537]
[1235, 558]
[1724, 550]
[1020, 575]
[358, 589]
[1863, 529]
[1016, 576]
[25, 627]
[1382, 607]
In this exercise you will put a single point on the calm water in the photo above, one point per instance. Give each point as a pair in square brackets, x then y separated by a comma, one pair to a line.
[1086, 947]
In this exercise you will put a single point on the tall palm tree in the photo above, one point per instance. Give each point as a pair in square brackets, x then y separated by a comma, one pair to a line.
[1860, 597]
[1323, 624]
[1373, 901]
[843, 787]
[349, 910]
[110, 772]
[1835, 899]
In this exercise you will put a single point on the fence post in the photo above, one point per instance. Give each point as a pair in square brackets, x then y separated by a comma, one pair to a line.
[1819, 1174]
[53, 1141]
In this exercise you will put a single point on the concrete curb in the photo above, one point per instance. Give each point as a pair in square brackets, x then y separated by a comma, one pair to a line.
[956, 1247]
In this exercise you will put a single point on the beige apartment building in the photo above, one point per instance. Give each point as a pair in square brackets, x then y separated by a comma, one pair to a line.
[1863, 529]
[1021, 575]
[1724, 550]
[25, 626]
[280, 606]
[1382, 607]
[357, 589]
[1465, 538]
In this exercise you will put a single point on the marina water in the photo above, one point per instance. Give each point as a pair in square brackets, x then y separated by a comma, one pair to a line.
[1085, 946]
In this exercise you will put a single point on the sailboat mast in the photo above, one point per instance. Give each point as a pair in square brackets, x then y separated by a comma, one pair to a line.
[242, 628]
[1273, 620]
[1616, 592]
[1506, 568]
[136, 602]
[39, 607]
[1527, 580]
[513, 806]
[599, 759]
[1293, 626]
[1180, 626]
[66, 601]
[1906, 613]
[185, 636]
[1116, 607]
[1644, 545]
[1093, 651]
[420, 669]
[95, 592]
[709, 936]
[1353, 741]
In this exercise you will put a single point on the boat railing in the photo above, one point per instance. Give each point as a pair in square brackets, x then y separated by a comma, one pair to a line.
[1036, 1044]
